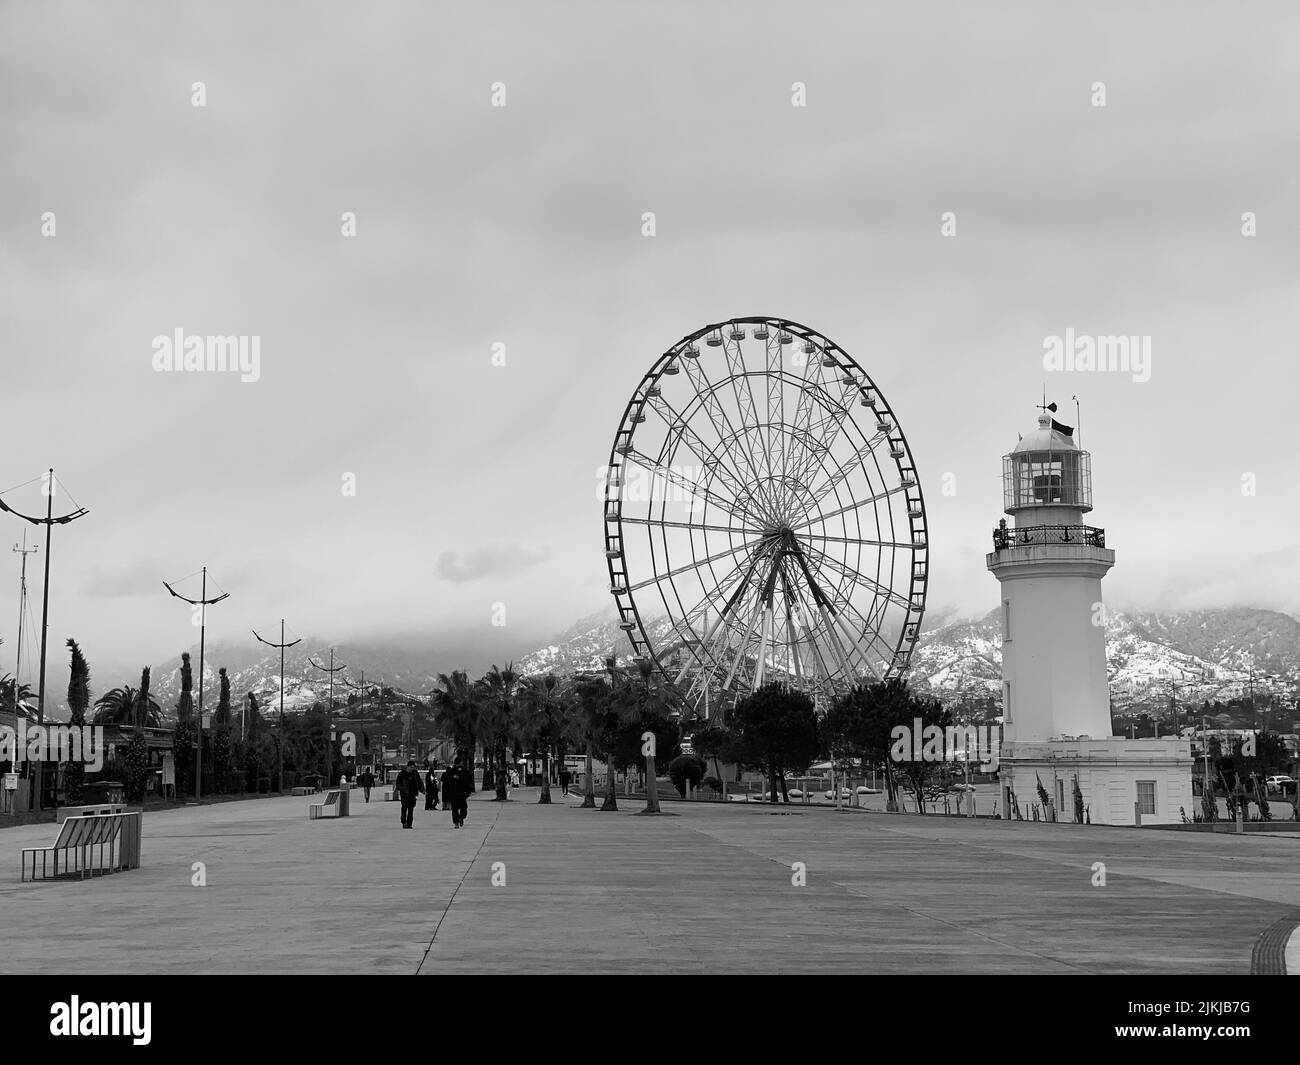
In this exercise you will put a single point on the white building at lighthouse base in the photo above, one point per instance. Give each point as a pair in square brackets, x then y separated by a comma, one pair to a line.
[1121, 781]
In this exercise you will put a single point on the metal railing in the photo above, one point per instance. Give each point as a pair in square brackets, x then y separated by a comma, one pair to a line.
[1037, 535]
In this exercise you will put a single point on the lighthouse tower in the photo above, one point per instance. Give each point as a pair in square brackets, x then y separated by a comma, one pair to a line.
[1055, 697]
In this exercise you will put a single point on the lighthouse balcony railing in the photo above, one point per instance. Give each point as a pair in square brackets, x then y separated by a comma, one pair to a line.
[1038, 535]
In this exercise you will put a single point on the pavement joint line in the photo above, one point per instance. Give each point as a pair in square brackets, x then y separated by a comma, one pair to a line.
[459, 884]
[915, 912]
[1268, 958]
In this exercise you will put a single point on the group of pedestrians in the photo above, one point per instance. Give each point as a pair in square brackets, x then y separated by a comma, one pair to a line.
[455, 791]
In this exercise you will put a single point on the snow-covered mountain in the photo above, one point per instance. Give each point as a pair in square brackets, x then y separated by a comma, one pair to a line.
[252, 670]
[1206, 654]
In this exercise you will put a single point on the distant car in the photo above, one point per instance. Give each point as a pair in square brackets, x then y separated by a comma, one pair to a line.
[1280, 784]
[961, 787]
[864, 790]
[795, 793]
[844, 794]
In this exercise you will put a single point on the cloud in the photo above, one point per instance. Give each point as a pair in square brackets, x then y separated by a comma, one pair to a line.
[500, 561]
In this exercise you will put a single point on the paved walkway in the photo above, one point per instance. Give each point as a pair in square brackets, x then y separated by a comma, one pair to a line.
[707, 890]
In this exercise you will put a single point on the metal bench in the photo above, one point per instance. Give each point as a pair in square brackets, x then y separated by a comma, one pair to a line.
[335, 804]
[89, 845]
[303, 791]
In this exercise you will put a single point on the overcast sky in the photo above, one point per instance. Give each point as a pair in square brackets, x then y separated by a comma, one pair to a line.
[522, 224]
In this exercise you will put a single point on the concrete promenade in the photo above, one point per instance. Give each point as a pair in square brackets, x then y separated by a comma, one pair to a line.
[706, 891]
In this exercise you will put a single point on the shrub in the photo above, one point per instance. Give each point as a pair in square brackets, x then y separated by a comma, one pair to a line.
[712, 782]
[183, 756]
[221, 754]
[251, 766]
[683, 768]
[136, 764]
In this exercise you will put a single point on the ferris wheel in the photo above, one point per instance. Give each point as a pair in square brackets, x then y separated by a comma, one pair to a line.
[763, 517]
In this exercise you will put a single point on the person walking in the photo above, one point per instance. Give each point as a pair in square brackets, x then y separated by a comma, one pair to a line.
[408, 786]
[430, 788]
[367, 781]
[564, 782]
[456, 786]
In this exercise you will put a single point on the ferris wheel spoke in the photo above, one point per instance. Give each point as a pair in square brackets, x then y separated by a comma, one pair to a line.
[871, 631]
[702, 607]
[852, 574]
[678, 426]
[831, 623]
[673, 477]
[895, 544]
[823, 518]
[744, 400]
[825, 431]
[733, 529]
[775, 403]
[820, 489]
[744, 632]
[728, 437]
[696, 564]
[881, 594]
[808, 389]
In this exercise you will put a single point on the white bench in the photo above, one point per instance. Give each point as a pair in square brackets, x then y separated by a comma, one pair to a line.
[334, 804]
[92, 844]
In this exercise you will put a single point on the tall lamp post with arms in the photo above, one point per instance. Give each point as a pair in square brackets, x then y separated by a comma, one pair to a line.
[203, 602]
[48, 486]
[279, 747]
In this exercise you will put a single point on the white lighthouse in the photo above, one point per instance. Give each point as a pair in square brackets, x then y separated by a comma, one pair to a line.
[1055, 699]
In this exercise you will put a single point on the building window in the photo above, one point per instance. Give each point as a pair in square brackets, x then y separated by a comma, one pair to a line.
[1060, 796]
[1146, 796]
[1006, 621]
[1006, 702]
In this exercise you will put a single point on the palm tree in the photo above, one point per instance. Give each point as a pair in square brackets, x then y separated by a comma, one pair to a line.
[128, 706]
[501, 684]
[456, 712]
[611, 723]
[541, 724]
[116, 706]
[591, 704]
[649, 704]
[23, 708]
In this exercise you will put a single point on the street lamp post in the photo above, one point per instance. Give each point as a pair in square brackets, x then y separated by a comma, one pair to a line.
[49, 521]
[329, 713]
[279, 747]
[203, 602]
[20, 742]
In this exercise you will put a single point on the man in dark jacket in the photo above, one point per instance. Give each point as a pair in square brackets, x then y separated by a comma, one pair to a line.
[408, 785]
[456, 786]
[367, 781]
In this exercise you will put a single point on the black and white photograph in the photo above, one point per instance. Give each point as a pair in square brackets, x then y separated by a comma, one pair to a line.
[755, 489]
